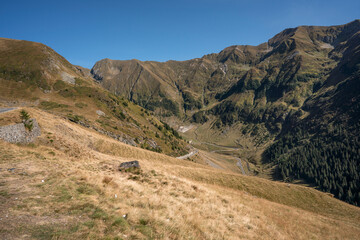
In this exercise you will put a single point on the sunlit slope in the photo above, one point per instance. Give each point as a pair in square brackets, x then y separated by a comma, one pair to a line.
[83, 195]
[33, 74]
[290, 105]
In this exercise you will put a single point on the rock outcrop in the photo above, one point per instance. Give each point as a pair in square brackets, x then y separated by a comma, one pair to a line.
[17, 133]
[129, 165]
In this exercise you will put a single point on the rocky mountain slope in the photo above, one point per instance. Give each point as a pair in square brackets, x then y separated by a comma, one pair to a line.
[66, 185]
[324, 146]
[256, 83]
[252, 96]
[32, 74]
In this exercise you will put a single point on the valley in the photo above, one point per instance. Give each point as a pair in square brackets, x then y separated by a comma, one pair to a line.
[251, 142]
[304, 81]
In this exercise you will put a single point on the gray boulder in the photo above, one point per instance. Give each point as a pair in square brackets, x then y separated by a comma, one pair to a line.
[17, 133]
[129, 165]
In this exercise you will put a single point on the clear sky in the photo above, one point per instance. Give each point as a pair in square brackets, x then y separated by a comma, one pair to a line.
[87, 31]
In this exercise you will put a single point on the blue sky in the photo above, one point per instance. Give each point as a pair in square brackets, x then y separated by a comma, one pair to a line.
[87, 31]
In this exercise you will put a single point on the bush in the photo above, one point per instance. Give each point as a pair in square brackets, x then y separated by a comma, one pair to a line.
[51, 105]
[121, 115]
[74, 118]
[80, 105]
[25, 117]
[59, 85]
[199, 117]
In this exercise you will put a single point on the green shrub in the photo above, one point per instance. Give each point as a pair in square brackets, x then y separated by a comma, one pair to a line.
[74, 118]
[51, 105]
[25, 117]
[80, 105]
[59, 85]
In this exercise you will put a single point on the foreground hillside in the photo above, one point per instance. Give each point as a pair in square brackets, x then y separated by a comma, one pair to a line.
[66, 186]
[33, 74]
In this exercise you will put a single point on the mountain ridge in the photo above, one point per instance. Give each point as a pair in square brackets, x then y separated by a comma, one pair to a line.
[252, 91]
[35, 74]
[293, 116]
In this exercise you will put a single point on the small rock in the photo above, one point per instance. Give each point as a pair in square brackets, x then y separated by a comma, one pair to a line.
[115, 195]
[42, 180]
[125, 216]
[127, 165]
[100, 113]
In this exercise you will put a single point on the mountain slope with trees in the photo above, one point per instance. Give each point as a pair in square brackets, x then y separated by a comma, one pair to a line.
[298, 93]
[324, 147]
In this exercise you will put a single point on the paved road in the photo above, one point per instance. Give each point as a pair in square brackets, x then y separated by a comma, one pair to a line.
[248, 165]
[2, 110]
[188, 155]
[240, 166]
[220, 146]
[212, 164]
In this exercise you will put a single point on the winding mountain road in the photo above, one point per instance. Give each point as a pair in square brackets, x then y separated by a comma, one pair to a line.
[239, 164]
[212, 164]
[209, 162]
[3, 110]
[188, 155]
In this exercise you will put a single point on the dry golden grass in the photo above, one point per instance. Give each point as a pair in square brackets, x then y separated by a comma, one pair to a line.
[84, 196]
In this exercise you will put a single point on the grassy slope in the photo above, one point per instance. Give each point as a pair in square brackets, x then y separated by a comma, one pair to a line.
[30, 74]
[169, 199]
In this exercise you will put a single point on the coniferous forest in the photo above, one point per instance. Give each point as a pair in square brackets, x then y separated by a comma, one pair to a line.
[329, 160]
